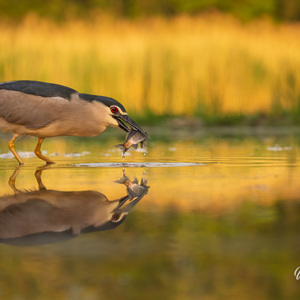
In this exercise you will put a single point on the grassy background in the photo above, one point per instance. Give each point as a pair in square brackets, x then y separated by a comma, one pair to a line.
[211, 67]
[279, 10]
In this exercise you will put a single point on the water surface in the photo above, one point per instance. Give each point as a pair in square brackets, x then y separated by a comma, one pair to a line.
[219, 218]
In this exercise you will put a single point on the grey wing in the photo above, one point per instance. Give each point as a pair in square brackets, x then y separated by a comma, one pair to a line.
[29, 110]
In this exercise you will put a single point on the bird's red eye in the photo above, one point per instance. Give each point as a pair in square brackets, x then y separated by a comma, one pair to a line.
[115, 217]
[114, 109]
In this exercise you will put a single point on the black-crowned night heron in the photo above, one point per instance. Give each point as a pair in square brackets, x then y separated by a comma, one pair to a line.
[47, 110]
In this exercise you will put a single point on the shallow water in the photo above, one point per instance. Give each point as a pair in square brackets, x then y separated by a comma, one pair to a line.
[213, 215]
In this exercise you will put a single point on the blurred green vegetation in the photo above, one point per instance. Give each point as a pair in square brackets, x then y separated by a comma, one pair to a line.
[61, 9]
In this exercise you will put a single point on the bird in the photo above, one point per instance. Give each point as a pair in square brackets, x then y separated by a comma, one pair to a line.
[44, 110]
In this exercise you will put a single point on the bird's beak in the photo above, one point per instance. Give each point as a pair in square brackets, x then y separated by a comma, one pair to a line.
[125, 118]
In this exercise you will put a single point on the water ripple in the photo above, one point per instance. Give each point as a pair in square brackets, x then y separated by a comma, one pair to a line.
[139, 165]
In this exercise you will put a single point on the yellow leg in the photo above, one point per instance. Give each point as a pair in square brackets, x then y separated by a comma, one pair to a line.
[11, 145]
[38, 153]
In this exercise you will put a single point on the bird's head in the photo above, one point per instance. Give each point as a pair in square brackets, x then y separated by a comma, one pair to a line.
[116, 114]
[120, 118]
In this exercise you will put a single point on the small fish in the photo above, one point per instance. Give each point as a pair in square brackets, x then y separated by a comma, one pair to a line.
[133, 138]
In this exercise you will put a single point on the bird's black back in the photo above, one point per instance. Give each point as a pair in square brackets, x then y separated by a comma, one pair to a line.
[45, 89]
[38, 88]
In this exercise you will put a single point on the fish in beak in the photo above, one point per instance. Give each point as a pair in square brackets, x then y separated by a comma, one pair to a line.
[125, 120]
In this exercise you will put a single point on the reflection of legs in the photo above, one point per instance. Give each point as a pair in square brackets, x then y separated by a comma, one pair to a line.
[38, 153]
[12, 179]
[38, 174]
[11, 145]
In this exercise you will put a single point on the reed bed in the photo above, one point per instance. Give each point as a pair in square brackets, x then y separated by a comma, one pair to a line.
[207, 66]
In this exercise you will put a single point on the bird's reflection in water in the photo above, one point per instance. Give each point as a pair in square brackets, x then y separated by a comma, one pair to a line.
[49, 216]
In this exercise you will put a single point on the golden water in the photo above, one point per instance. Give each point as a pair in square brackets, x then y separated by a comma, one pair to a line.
[220, 219]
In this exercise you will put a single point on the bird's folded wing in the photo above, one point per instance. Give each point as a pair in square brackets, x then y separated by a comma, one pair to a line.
[33, 104]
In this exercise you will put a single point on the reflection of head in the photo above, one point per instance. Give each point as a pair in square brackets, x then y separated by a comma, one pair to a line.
[110, 224]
